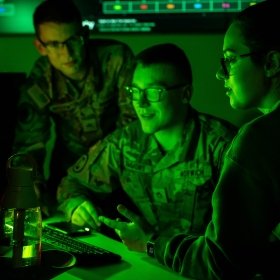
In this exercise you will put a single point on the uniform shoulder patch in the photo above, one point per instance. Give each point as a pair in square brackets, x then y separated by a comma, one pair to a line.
[80, 164]
[40, 98]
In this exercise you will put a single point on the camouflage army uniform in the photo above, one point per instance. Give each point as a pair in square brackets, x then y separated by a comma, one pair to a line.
[81, 116]
[172, 191]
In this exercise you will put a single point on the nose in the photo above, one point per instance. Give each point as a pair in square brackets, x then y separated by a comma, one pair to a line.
[66, 49]
[220, 75]
[143, 101]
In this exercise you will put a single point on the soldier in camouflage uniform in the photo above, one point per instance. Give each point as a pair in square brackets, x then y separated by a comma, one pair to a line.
[75, 89]
[167, 162]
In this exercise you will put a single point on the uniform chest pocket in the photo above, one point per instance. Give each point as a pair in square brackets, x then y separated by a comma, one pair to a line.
[191, 195]
[135, 184]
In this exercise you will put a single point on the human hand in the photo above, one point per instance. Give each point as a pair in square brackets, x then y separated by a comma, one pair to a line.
[131, 233]
[86, 215]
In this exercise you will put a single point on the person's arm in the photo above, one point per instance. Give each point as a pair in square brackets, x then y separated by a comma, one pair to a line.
[91, 180]
[235, 241]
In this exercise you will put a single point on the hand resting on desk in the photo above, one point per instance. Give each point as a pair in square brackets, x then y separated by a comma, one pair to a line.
[86, 215]
[134, 234]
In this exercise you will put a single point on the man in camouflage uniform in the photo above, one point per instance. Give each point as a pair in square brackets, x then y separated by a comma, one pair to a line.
[75, 88]
[167, 163]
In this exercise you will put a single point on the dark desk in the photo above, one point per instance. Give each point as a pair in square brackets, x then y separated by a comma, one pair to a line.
[133, 265]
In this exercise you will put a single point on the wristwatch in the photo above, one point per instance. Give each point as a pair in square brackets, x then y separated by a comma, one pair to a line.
[150, 246]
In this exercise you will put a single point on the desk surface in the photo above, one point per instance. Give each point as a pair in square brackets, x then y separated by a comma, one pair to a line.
[134, 265]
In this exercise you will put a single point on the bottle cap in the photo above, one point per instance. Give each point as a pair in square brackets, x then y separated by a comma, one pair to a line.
[20, 192]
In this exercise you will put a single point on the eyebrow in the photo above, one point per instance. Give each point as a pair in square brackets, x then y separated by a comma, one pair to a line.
[61, 42]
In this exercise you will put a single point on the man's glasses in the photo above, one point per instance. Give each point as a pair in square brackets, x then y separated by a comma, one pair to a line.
[55, 46]
[226, 62]
[152, 94]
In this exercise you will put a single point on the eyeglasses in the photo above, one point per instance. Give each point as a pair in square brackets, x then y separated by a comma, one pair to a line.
[55, 46]
[152, 94]
[226, 62]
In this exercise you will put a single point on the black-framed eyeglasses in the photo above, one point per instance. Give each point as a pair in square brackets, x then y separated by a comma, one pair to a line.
[152, 94]
[227, 61]
[55, 46]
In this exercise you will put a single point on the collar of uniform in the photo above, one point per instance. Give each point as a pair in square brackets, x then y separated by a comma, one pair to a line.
[181, 153]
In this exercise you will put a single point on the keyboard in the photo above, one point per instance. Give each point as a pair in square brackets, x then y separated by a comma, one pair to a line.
[86, 254]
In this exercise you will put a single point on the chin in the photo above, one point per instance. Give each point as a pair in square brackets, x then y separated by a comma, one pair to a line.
[147, 129]
[234, 106]
[239, 106]
[234, 103]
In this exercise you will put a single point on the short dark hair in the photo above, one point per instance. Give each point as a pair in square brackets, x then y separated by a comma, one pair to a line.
[167, 53]
[59, 11]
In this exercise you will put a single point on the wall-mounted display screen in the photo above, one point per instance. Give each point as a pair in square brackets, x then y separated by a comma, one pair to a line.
[164, 16]
[136, 16]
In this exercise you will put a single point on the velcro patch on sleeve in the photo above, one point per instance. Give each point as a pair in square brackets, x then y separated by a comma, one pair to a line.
[38, 96]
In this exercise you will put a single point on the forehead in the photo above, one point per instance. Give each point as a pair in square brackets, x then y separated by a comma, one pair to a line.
[234, 40]
[162, 74]
[51, 31]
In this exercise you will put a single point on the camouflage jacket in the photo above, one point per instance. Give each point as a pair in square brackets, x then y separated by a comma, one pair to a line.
[80, 117]
[172, 191]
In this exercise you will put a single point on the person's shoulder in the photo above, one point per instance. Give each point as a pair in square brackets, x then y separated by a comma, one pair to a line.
[128, 133]
[41, 64]
[41, 68]
[131, 130]
[39, 74]
[262, 129]
[258, 139]
[214, 125]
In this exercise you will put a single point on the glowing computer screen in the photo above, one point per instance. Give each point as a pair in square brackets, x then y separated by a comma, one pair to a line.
[163, 16]
[136, 16]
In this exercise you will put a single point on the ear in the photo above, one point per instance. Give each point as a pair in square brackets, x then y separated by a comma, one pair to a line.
[40, 48]
[187, 94]
[272, 64]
